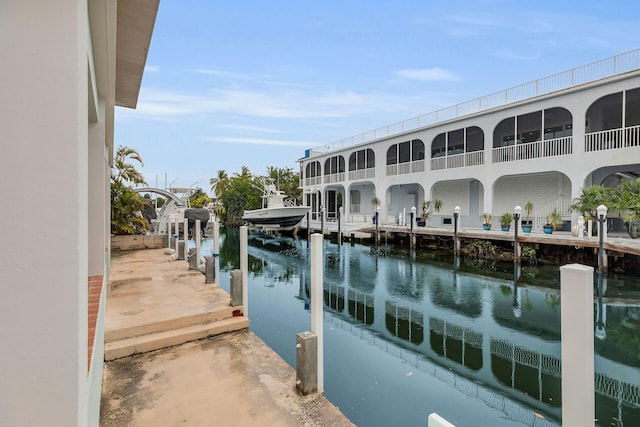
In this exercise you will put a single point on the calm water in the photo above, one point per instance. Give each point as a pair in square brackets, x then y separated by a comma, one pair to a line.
[409, 334]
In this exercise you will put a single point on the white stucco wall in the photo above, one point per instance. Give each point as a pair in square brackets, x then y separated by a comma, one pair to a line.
[43, 170]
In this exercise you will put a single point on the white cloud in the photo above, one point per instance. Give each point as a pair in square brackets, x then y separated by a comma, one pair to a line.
[427, 74]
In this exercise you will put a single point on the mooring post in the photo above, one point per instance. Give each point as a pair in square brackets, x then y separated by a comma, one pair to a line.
[235, 288]
[198, 242]
[436, 420]
[308, 229]
[176, 236]
[185, 237]
[216, 252]
[317, 301]
[340, 226]
[576, 316]
[244, 267]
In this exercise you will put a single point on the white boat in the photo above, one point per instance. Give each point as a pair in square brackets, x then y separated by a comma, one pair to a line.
[276, 212]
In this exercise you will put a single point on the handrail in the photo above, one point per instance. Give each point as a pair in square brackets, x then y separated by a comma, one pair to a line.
[619, 64]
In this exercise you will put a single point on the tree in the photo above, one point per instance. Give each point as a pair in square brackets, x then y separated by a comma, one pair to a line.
[198, 199]
[126, 204]
[287, 181]
[220, 183]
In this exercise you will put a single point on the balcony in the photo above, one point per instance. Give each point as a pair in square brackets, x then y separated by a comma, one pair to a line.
[360, 174]
[474, 158]
[534, 150]
[612, 139]
[405, 168]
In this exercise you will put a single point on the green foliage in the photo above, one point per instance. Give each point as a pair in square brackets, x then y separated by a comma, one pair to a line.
[554, 219]
[625, 198]
[198, 199]
[506, 219]
[590, 199]
[126, 204]
[243, 191]
[428, 207]
[528, 208]
[487, 218]
[481, 249]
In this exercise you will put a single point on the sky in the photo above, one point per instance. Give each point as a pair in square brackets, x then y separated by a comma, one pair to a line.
[255, 83]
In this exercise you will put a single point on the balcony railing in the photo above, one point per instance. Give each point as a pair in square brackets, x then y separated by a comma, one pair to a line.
[534, 150]
[405, 168]
[334, 177]
[473, 158]
[362, 174]
[612, 139]
[612, 66]
[314, 180]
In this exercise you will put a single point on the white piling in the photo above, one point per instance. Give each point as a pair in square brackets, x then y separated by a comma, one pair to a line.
[576, 315]
[198, 237]
[317, 302]
[185, 238]
[244, 266]
[216, 252]
[590, 228]
[176, 235]
[436, 420]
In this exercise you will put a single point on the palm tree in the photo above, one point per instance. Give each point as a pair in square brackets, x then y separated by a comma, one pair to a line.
[220, 183]
[126, 172]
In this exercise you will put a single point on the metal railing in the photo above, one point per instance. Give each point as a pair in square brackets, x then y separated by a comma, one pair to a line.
[618, 64]
[612, 139]
[533, 150]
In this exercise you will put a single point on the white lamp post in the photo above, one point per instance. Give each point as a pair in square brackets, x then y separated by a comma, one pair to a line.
[602, 217]
[517, 211]
[456, 215]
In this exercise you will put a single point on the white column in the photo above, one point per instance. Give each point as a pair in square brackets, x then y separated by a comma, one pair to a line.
[317, 302]
[216, 253]
[578, 391]
[244, 266]
[43, 308]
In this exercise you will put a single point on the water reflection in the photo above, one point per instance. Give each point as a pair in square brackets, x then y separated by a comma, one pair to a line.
[491, 338]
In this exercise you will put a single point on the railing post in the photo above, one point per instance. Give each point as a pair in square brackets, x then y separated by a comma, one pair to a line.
[216, 252]
[244, 267]
[317, 302]
[576, 315]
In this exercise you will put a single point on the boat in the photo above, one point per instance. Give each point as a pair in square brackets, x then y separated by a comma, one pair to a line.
[277, 211]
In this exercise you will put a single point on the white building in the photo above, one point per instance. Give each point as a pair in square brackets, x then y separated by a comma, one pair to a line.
[65, 65]
[542, 142]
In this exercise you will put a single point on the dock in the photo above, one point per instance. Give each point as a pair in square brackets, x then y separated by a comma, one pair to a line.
[177, 353]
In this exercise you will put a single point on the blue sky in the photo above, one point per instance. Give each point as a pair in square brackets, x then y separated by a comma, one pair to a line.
[254, 83]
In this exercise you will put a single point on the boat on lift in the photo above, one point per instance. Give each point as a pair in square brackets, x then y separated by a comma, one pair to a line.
[277, 211]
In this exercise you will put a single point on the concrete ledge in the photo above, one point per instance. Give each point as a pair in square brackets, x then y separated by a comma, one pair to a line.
[171, 324]
[137, 241]
[163, 339]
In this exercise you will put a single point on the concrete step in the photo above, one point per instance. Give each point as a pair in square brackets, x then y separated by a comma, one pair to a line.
[157, 340]
[171, 324]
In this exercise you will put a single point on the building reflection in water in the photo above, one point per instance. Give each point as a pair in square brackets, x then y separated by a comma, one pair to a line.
[500, 334]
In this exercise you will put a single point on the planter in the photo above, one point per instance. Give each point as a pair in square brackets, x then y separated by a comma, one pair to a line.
[421, 223]
[486, 227]
[527, 226]
[373, 219]
[547, 229]
[505, 227]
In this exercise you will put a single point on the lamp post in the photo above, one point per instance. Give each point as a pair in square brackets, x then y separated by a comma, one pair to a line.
[322, 211]
[517, 211]
[340, 210]
[602, 217]
[456, 215]
[413, 219]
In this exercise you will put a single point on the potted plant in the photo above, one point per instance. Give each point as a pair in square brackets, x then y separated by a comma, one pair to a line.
[427, 208]
[553, 222]
[505, 221]
[487, 221]
[589, 200]
[375, 204]
[527, 224]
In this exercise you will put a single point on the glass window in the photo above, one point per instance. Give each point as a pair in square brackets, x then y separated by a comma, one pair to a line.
[438, 145]
[371, 158]
[557, 123]
[455, 143]
[504, 133]
[352, 161]
[392, 155]
[417, 150]
[605, 113]
[475, 139]
[530, 127]
[632, 110]
[405, 152]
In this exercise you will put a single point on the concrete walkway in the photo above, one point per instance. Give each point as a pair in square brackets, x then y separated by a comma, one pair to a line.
[231, 379]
